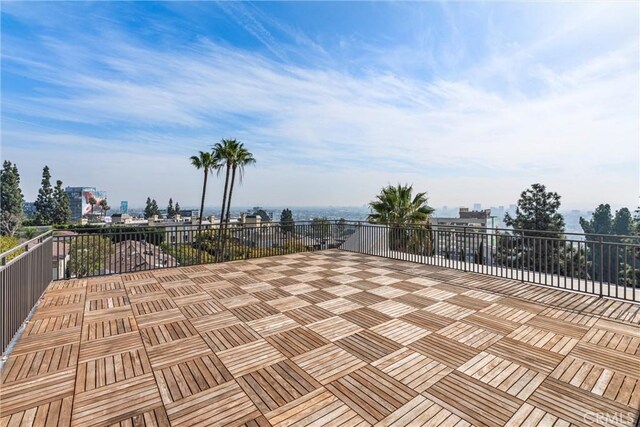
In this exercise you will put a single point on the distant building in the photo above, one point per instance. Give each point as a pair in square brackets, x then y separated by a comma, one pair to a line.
[121, 218]
[467, 218]
[29, 209]
[124, 207]
[79, 200]
[477, 206]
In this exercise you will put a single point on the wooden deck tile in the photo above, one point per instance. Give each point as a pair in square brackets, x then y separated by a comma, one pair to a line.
[544, 339]
[529, 415]
[224, 405]
[366, 317]
[473, 401]
[309, 314]
[334, 328]
[190, 377]
[470, 335]
[503, 375]
[117, 402]
[444, 350]
[229, 337]
[600, 381]
[273, 324]
[371, 393]
[328, 363]
[28, 393]
[40, 362]
[296, 341]
[103, 371]
[421, 411]
[367, 345]
[412, 369]
[250, 357]
[579, 406]
[276, 385]
[400, 331]
[55, 413]
[317, 408]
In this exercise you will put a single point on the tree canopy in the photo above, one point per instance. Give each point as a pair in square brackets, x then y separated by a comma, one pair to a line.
[61, 208]
[396, 205]
[11, 214]
[537, 210]
[45, 201]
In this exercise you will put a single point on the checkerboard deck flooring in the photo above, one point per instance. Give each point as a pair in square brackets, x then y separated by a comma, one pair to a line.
[325, 338]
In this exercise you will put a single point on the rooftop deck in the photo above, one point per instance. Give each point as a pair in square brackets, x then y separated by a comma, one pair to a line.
[324, 338]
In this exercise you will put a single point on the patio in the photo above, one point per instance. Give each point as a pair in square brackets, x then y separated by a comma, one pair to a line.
[324, 338]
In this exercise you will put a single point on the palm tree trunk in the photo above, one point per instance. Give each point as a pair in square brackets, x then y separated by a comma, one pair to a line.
[224, 201]
[228, 216]
[204, 191]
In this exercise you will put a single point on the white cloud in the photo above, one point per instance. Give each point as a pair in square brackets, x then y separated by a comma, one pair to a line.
[328, 136]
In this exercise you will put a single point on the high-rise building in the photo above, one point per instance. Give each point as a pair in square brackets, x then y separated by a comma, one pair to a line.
[477, 206]
[79, 200]
[124, 207]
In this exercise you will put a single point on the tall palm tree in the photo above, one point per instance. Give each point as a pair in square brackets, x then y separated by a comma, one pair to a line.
[396, 206]
[407, 216]
[223, 152]
[207, 162]
[242, 157]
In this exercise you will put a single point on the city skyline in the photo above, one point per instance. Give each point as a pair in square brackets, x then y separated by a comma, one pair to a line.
[466, 101]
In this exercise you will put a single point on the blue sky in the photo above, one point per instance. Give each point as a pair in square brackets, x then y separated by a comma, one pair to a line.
[471, 102]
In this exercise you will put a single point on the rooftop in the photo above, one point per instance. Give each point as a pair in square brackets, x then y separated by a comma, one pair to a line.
[322, 338]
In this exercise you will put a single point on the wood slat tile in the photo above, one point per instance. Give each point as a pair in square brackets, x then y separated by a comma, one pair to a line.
[250, 357]
[179, 381]
[371, 393]
[224, 405]
[412, 369]
[276, 385]
[473, 401]
[116, 402]
[328, 363]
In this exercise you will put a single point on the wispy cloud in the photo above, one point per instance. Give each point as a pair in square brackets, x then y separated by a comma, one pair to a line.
[503, 122]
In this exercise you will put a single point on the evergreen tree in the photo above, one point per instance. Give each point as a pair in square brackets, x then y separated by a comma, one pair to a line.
[600, 222]
[286, 221]
[61, 208]
[171, 212]
[177, 209]
[45, 201]
[536, 216]
[11, 215]
[538, 211]
[148, 212]
[155, 209]
[622, 223]
[607, 262]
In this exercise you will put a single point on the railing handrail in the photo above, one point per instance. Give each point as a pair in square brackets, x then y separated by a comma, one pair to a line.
[186, 225]
[38, 239]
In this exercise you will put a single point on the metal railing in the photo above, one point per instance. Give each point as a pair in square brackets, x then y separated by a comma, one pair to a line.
[603, 265]
[115, 250]
[25, 272]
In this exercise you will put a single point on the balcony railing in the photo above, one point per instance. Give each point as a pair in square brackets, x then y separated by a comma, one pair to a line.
[25, 272]
[602, 265]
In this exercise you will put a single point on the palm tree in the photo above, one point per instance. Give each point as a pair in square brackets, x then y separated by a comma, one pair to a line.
[223, 152]
[408, 217]
[104, 206]
[242, 157]
[207, 162]
[395, 206]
